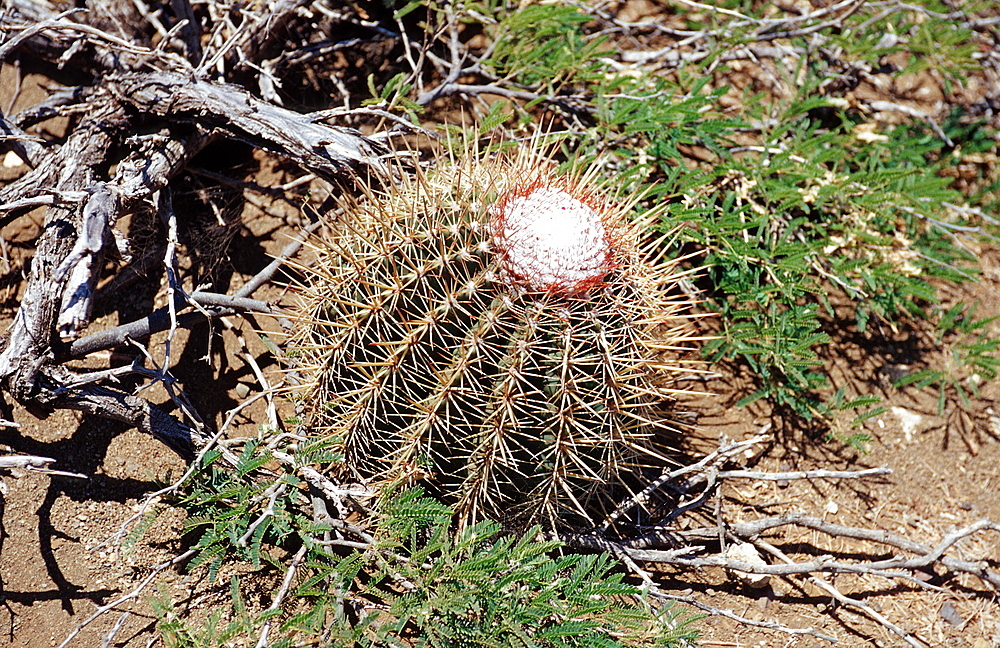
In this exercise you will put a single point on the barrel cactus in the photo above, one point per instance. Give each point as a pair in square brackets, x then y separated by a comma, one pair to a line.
[497, 330]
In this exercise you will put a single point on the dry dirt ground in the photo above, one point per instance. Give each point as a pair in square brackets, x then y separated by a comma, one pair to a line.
[59, 560]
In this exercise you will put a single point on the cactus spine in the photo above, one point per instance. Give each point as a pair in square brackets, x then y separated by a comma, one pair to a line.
[491, 326]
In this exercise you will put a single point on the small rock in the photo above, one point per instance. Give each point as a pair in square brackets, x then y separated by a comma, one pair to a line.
[908, 421]
[12, 161]
[745, 552]
[949, 614]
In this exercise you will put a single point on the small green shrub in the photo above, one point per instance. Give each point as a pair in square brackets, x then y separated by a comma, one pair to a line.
[971, 356]
[806, 211]
[417, 583]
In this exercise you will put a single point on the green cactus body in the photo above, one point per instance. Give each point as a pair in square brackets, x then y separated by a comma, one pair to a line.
[432, 360]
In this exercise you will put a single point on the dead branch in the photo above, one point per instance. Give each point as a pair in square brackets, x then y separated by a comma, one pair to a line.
[214, 305]
[690, 546]
[650, 585]
[286, 583]
[83, 207]
[845, 600]
[726, 451]
[750, 531]
[67, 38]
[729, 614]
[137, 591]
[27, 370]
[929, 555]
[328, 151]
[804, 474]
[24, 461]
[31, 463]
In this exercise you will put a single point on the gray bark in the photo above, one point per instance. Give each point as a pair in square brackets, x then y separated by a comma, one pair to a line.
[134, 84]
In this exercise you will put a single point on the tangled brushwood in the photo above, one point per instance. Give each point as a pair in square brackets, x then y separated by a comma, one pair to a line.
[498, 330]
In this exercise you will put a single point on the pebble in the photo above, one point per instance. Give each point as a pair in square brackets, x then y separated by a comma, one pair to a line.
[745, 552]
[950, 614]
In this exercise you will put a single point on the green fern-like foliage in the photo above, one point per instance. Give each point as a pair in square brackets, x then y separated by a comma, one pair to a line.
[430, 363]
[478, 587]
[829, 217]
[212, 632]
[226, 510]
[420, 583]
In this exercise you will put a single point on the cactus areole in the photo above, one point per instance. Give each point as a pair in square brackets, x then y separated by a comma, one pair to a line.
[551, 241]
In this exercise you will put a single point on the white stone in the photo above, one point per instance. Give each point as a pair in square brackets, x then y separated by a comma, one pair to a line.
[11, 160]
[908, 421]
[746, 553]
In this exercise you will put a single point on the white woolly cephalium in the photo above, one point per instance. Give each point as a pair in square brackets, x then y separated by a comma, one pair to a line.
[490, 327]
[549, 240]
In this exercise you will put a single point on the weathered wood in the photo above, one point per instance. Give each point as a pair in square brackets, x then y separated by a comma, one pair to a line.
[80, 267]
[31, 335]
[191, 30]
[68, 39]
[328, 151]
[135, 85]
[24, 461]
[27, 368]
